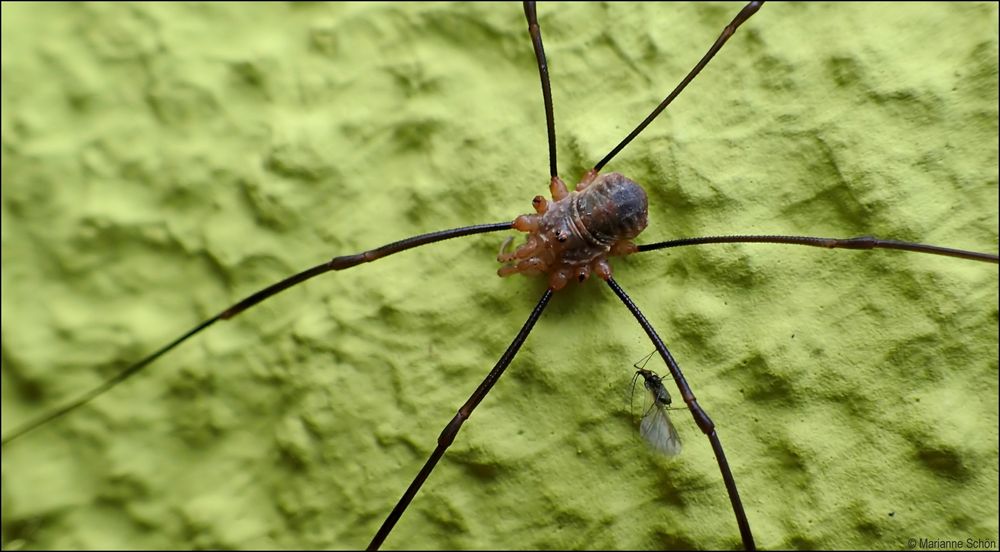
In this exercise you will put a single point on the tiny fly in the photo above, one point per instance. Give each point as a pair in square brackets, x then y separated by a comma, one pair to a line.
[656, 427]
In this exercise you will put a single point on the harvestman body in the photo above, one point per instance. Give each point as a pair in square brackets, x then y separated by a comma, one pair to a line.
[570, 238]
[574, 235]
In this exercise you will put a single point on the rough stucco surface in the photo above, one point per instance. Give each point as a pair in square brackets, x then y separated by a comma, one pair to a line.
[163, 161]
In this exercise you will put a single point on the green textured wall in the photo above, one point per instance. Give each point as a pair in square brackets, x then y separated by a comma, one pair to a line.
[163, 161]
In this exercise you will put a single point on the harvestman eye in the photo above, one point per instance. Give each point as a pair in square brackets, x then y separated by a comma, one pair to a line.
[574, 236]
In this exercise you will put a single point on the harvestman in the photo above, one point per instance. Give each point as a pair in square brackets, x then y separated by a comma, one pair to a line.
[522, 260]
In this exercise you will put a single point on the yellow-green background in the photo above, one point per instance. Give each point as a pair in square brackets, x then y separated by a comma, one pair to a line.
[163, 161]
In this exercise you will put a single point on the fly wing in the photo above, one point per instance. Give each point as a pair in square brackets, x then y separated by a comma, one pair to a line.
[657, 430]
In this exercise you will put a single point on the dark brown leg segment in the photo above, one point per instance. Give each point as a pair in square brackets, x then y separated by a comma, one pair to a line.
[543, 74]
[747, 11]
[451, 430]
[862, 242]
[700, 416]
[337, 263]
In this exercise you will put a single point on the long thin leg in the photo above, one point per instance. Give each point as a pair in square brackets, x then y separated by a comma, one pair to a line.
[700, 417]
[448, 434]
[861, 242]
[337, 263]
[747, 11]
[543, 74]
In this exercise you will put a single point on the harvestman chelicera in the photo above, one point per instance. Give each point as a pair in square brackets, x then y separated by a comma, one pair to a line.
[569, 238]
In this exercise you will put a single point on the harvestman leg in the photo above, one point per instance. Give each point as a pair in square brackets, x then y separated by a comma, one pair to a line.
[448, 434]
[861, 242]
[700, 417]
[336, 263]
[730, 29]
